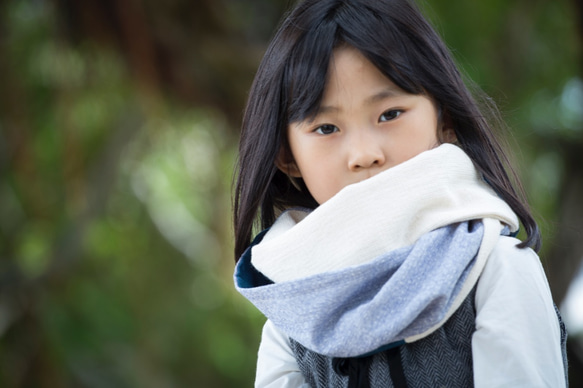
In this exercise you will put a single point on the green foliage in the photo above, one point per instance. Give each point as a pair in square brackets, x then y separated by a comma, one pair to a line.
[115, 227]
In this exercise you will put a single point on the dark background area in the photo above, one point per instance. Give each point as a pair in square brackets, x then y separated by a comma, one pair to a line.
[118, 127]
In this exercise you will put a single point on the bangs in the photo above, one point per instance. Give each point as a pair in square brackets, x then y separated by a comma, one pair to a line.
[306, 73]
[386, 42]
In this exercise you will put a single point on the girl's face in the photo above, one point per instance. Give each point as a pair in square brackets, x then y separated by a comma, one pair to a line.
[365, 125]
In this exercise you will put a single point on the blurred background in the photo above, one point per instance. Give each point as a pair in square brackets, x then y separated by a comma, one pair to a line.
[119, 121]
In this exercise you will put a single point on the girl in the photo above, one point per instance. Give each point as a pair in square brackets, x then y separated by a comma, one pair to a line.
[387, 256]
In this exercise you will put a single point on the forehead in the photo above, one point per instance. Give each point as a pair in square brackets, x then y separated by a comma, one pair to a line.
[348, 67]
[353, 79]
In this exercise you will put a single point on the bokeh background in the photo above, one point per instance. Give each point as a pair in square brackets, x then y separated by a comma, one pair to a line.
[119, 123]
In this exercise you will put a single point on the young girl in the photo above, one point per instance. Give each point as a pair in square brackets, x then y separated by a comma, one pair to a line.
[387, 256]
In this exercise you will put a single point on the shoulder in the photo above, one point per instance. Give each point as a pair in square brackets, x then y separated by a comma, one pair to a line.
[514, 275]
[507, 247]
[514, 267]
[517, 338]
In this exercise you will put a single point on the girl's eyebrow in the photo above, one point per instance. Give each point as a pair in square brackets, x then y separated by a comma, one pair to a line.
[388, 92]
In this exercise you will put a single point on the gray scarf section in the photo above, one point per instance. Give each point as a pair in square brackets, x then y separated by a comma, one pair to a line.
[357, 310]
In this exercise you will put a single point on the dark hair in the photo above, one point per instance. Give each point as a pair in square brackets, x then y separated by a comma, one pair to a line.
[289, 84]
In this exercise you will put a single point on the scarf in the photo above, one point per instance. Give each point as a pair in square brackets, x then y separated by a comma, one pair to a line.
[385, 261]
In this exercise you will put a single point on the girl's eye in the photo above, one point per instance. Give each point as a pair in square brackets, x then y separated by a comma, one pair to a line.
[390, 115]
[326, 129]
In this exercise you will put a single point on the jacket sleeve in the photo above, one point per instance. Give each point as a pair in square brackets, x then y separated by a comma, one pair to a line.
[517, 342]
[276, 363]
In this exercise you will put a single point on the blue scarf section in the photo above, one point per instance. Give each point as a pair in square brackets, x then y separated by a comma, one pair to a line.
[361, 309]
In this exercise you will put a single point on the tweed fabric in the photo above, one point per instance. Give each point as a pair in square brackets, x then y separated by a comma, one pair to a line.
[563, 345]
[442, 359]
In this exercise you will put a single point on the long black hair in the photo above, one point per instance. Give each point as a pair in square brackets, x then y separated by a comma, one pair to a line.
[290, 81]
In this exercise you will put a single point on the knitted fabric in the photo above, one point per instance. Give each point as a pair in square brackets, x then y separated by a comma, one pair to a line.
[395, 245]
[415, 286]
[388, 211]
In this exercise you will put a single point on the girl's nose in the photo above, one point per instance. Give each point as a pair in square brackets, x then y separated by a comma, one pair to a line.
[365, 152]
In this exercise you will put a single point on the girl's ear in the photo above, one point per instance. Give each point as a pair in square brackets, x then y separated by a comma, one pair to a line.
[286, 163]
[446, 132]
[448, 135]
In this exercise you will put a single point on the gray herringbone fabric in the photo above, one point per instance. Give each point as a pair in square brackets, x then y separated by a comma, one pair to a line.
[443, 359]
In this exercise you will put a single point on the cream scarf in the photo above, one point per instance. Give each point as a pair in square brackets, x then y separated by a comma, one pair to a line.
[436, 188]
